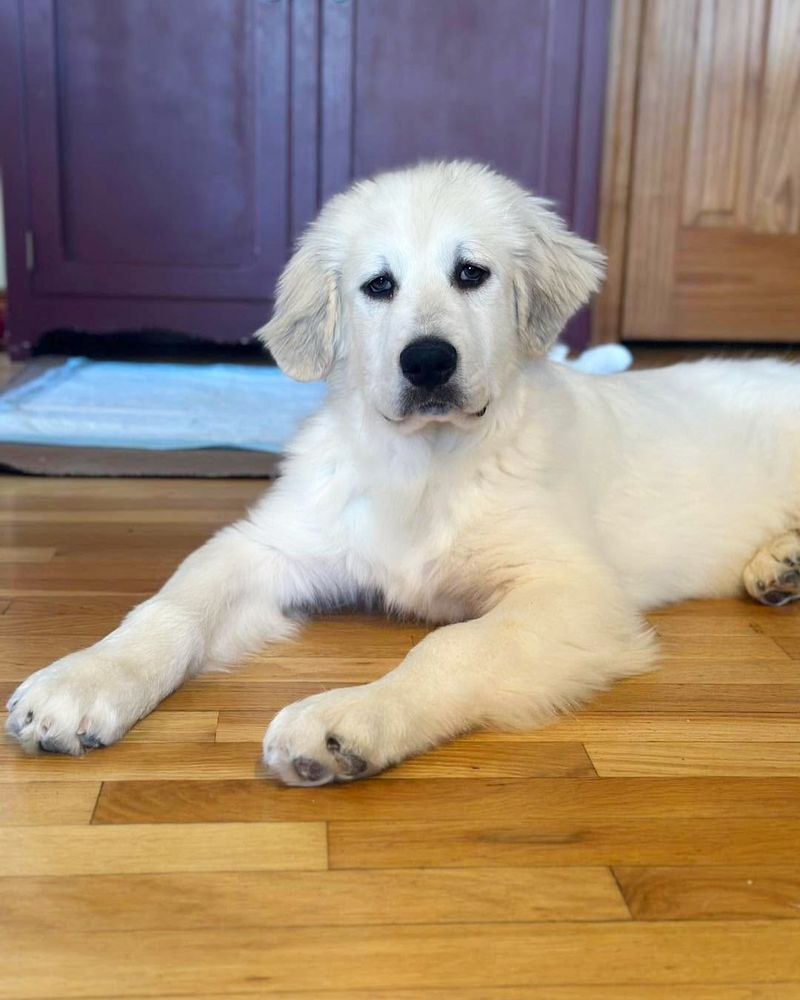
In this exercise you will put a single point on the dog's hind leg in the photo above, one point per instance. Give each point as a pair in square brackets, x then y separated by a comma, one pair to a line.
[773, 575]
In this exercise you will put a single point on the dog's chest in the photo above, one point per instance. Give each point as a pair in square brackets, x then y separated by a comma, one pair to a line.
[408, 545]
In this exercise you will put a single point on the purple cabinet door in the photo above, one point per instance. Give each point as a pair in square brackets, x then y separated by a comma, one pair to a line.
[158, 144]
[518, 84]
[159, 156]
[514, 83]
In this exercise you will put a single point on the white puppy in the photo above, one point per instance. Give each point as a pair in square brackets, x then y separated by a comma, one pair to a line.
[464, 479]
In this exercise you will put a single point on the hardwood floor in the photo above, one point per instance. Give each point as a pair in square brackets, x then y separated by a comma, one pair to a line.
[647, 848]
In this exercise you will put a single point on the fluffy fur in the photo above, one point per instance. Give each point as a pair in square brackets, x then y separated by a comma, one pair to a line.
[535, 532]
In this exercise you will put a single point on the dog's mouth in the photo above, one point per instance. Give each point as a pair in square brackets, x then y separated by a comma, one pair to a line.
[438, 404]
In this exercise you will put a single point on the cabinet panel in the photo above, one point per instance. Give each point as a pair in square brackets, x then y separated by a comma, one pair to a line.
[714, 219]
[501, 83]
[158, 145]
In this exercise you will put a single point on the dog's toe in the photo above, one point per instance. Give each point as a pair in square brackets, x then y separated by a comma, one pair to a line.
[772, 577]
[350, 763]
[310, 770]
[332, 736]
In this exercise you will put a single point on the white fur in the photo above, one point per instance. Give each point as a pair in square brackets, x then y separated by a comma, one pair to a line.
[536, 533]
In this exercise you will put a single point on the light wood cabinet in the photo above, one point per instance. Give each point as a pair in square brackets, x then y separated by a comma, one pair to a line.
[701, 189]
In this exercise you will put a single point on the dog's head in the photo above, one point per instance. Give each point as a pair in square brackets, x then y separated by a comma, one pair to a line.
[424, 289]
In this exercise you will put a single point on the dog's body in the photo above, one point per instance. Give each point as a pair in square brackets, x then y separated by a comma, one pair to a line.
[460, 477]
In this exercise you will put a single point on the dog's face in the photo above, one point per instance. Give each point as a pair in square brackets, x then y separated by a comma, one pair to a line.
[425, 289]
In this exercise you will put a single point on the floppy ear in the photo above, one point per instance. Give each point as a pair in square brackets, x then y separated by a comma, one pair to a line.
[556, 275]
[302, 333]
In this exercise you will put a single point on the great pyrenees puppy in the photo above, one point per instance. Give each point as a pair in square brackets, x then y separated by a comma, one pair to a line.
[463, 479]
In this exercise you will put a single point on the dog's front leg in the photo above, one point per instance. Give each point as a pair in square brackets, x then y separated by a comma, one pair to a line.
[226, 599]
[545, 647]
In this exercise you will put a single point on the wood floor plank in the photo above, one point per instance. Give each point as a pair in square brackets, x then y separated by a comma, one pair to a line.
[175, 727]
[790, 645]
[699, 758]
[746, 620]
[297, 899]
[213, 693]
[119, 569]
[334, 671]
[47, 803]
[779, 669]
[18, 554]
[711, 892]
[137, 760]
[686, 991]
[445, 799]
[57, 519]
[688, 698]
[699, 647]
[214, 961]
[67, 616]
[158, 727]
[62, 495]
[99, 850]
[588, 726]
[785, 623]
[469, 758]
[93, 536]
[228, 694]
[467, 843]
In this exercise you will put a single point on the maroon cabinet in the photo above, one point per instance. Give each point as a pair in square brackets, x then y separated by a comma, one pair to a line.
[159, 156]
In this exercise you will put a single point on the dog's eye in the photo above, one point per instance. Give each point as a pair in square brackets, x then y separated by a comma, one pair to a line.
[380, 287]
[470, 275]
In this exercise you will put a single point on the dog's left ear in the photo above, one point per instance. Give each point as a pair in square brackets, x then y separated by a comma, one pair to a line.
[557, 273]
[302, 334]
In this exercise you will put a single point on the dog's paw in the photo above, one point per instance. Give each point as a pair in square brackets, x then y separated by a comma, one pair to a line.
[773, 575]
[337, 735]
[80, 703]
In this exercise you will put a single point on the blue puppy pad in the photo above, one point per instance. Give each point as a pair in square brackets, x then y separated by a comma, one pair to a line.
[163, 407]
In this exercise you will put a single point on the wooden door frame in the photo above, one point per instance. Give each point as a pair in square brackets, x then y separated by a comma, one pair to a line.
[624, 68]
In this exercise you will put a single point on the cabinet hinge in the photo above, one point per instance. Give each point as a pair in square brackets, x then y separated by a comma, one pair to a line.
[30, 250]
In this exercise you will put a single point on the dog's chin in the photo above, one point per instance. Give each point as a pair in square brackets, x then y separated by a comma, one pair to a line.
[414, 414]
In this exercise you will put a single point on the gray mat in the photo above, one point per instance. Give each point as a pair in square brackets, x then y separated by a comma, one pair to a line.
[203, 463]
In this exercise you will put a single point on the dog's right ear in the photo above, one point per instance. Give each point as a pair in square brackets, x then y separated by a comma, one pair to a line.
[302, 334]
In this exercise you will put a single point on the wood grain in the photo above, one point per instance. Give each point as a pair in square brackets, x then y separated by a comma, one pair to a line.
[445, 799]
[417, 844]
[211, 961]
[708, 213]
[47, 803]
[310, 899]
[615, 184]
[765, 760]
[83, 850]
[668, 33]
[711, 892]
[170, 865]
[691, 991]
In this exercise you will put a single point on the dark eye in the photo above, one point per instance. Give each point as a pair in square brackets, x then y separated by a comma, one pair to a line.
[380, 287]
[470, 275]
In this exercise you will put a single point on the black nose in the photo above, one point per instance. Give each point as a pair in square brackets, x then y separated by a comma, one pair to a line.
[428, 362]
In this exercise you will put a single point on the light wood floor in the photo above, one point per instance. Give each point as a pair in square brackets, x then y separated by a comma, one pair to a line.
[645, 849]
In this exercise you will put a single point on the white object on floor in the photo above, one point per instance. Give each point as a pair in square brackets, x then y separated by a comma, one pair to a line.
[605, 359]
[115, 404]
